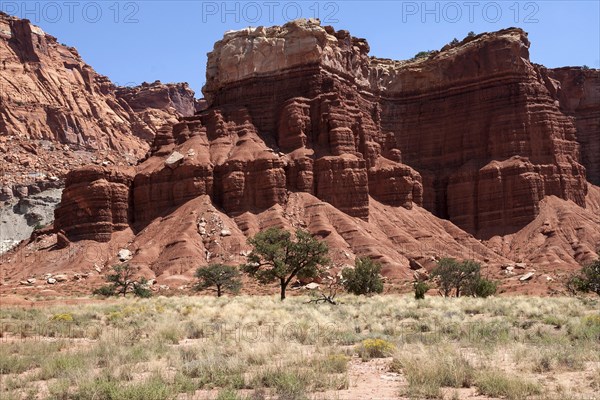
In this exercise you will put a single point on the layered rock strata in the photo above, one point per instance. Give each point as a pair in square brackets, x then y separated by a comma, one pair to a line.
[57, 113]
[477, 121]
[474, 133]
[578, 90]
[96, 202]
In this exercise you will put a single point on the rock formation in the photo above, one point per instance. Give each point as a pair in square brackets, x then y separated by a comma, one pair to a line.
[96, 202]
[397, 160]
[57, 113]
[578, 90]
[152, 105]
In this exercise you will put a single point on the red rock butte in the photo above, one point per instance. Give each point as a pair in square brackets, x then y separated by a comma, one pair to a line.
[397, 160]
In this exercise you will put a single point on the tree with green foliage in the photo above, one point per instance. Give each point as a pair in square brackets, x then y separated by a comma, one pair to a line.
[364, 278]
[462, 278]
[471, 34]
[587, 280]
[221, 277]
[481, 287]
[279, 256]
[422, 54]
[141, 288]
[466, 276]
[420, 289]
[445, 273]
[122, 281]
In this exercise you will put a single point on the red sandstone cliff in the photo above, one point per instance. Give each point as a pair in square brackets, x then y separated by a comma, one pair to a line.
[302, 128]
[57, 113]
[578, 90]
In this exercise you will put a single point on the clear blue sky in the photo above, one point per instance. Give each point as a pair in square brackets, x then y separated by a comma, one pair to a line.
[136, 41]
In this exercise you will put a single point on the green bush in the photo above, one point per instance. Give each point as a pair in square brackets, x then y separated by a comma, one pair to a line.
[422, 54]
[140, 289]
[106, 291]
[364, 278]
[587, 280]
[420, 289]
[482, 288]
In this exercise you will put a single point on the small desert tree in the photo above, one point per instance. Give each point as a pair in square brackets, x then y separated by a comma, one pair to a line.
[420, 289]
[481, 287]
[462, 277]
[121, 281]
[587, 280]
[364, 278]
[445, 273]
[279, 256]
[467, 276]
[220, 277]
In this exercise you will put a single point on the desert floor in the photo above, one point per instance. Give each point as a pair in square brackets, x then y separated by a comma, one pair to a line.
[257, 347]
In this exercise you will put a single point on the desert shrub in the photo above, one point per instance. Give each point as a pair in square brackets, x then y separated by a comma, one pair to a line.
[221, 277]
[420, 289]
[497, 383]
[140, 289]
[171, 334]
[374, 348]
[428, 373]
[294, 382]
[13, 364]
[481, 287]
[215, 371]
[289, 384]
[229, 394]
[364, 278]
[422, 54]
[336, 363]
[105, 291]
[587, 280]
[66, 317]
[588, 329]
[60, 389]
[106, 387]
[194, 330]
[592, 320]
[62, 366]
